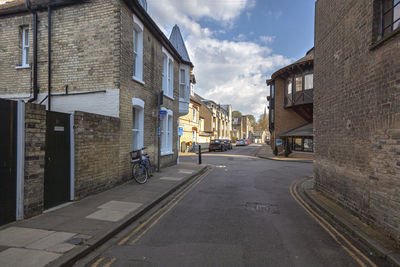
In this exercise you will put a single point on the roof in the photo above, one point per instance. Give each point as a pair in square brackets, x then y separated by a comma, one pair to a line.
[303, 130]
[177, 41]
[307, 60]
[20, 6]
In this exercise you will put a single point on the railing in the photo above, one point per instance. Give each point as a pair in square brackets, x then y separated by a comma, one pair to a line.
[299, 98]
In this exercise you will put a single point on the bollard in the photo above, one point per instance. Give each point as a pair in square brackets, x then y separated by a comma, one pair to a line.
[199, 154]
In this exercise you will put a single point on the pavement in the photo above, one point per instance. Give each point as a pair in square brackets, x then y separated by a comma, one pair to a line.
[374, 241]
[67, 233]
[265, 152]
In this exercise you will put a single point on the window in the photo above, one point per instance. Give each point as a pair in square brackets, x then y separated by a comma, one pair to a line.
[390, 18]
[25, 46]
[289, 86]
[137, 50]
[168, 74]
[308, 81]
[166, 129]
[272, 90]
[299, 83]
[182, 84]
[297, 144]
[308, 145]
[194, 114]
[137, 123]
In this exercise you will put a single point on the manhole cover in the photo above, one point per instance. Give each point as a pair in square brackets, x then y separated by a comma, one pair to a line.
[263, 207]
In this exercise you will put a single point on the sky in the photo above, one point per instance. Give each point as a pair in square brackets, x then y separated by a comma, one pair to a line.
[235, 45]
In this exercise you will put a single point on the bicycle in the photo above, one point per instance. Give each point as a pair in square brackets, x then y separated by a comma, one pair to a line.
[141, 166]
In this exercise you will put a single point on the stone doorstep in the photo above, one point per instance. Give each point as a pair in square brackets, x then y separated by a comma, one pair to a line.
[370, 237]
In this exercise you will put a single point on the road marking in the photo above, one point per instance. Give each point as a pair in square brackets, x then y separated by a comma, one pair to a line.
[142, 225]
[325, 225]
[187, 190]
[97, 262]
[108, 264]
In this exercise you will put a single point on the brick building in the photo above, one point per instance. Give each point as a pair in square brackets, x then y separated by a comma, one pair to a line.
[291, 105]
[102, 64]
[357, 108]
[241, 127]
[222, 119]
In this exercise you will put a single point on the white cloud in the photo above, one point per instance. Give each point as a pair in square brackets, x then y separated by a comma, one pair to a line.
[227, 71]
[266, 39]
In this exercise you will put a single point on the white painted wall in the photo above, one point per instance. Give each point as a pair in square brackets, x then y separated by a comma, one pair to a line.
[106, 103]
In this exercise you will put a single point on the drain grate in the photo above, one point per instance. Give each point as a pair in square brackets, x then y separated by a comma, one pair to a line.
[263, 207]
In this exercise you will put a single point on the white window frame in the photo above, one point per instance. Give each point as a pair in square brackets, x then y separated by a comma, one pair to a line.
[25, 46]
[184, 83]
[137, 50]
[194, 114]
[310, 80]
[138, 105]
[194, 136]
[289, 86]
[166, 129]
[168, 74]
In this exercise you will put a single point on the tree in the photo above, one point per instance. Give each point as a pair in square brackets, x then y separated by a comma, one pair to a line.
[252, 119]
[236, 113]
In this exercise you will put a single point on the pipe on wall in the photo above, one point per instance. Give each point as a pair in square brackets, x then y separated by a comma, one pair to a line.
[49, 57]
[34, 26]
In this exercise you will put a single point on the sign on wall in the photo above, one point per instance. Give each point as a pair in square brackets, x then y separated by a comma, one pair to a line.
[278, 142]
[180, 131]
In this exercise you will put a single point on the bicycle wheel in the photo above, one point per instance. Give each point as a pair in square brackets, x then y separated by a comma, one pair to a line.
[139, 173]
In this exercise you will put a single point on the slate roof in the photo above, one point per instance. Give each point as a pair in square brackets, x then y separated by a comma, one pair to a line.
[177, 41]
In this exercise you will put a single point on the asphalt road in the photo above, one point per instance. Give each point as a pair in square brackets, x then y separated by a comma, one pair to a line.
[240, 214]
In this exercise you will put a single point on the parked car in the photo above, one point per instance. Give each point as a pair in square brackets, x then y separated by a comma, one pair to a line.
[217, 145]
[228, 144]
[241, 142]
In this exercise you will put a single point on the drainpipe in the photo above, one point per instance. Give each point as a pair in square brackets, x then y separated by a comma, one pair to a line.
[34, 25]
[49, 57]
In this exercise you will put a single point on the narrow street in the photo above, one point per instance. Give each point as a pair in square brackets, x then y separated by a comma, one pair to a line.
[241, 213]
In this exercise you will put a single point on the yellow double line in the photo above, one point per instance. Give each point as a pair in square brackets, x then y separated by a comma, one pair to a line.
[161, 212]
[355, 253]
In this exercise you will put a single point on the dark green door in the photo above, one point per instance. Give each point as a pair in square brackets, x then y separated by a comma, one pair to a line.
[57, 170]
[8, 160]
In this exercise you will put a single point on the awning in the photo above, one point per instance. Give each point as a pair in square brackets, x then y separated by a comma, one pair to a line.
[304, 130]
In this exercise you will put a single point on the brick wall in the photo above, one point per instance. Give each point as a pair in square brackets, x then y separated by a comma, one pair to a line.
[357, 113]
[35, 139]
[80, 33]
[96, 153]
[285, 119]
[152, 70]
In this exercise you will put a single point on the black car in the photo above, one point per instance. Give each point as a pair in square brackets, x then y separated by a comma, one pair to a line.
[228, 144]
[217, 145]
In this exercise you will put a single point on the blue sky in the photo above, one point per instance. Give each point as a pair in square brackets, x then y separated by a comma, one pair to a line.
[236, 44]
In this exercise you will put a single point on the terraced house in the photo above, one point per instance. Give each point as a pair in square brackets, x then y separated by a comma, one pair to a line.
[88, 77]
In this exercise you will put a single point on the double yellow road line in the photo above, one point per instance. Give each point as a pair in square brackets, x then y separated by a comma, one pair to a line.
[354, 252]
[158, 215]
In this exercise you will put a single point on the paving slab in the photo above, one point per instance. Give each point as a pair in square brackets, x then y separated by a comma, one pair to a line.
[21, 237]
[26, 257]
[63, 235]
[56, 242]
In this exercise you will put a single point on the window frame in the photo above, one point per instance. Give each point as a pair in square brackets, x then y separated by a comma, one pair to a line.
[384, 27]
[166, 131]
[138, 123]
[168, 74]
[25, 46]
[194, 114]
[137, 42]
